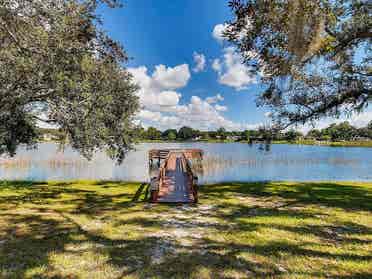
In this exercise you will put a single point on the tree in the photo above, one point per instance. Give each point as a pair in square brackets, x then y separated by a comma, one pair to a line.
[332, 132]
[172, 136]
[221, 132]
[342, 131]
[152, 133]
[212, 134]
[369, 126]
[314, 133]
[185, 133]
[363, 132]
[266, 133]
[346, 131]
[292, 135]
[166, 133]
[247, 134]
[57, 66]
[204, 135]
[313, 56]
[140, 132]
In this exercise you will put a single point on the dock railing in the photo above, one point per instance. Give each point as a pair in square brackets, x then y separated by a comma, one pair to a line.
[159, 181]
[156, 182]
[192, 178]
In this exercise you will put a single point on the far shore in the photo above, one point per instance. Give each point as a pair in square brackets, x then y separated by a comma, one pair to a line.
[366, 143]
[298, 142]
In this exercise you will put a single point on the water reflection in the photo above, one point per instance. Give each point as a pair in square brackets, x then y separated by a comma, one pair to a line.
[221, 162]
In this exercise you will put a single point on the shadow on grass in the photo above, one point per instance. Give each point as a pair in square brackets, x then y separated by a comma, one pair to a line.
[26, 251]
[139, 192]
[84, 198]
[327, 194]
[31, 237]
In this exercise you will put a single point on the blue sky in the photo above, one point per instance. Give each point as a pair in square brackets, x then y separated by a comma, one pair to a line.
[166, 40]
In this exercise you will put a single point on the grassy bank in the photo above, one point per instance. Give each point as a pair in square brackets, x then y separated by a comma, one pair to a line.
[238, 230]
[329, 143]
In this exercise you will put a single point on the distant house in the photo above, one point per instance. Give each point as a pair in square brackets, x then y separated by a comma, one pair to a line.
[357, 138]
[48, 137]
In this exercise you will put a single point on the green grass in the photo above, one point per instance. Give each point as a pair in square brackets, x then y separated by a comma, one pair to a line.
[238, 230]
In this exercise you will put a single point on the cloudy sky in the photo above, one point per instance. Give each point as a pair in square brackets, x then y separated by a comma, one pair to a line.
[187, 73]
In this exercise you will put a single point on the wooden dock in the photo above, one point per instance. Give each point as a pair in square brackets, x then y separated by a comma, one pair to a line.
[175, 182]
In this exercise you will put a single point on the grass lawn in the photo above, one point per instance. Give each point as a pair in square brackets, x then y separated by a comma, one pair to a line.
[238, 230]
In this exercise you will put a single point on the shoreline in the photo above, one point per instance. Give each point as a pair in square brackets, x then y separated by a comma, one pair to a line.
[328, 143]
[297, 142]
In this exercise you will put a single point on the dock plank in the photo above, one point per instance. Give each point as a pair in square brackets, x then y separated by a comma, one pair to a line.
[175, 186]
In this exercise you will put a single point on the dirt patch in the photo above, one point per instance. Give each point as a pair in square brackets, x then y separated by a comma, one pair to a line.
[183, 226]
[161, 250]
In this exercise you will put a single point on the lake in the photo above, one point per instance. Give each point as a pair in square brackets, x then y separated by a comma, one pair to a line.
[222, 162]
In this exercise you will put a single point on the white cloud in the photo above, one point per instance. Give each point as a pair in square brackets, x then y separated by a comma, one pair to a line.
[202, 115]
[171, 78]
[232, 72]
[220, 28]
[161, 103]
[200, 62]
[220, 108]
[214, 99]
[149, 115]
[141, 77]
[169, 98]
[216, 65]
[197, 114]
[362, 119]
[218, 32]
[230, 69]
[158, 90]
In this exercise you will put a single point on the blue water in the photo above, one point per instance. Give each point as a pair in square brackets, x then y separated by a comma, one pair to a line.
[222, 162]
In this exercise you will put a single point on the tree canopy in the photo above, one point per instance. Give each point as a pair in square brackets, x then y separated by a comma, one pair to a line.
[152, 133]
[170, 134]
[370, 125]
[313, 56]
[185, 133]
[58, 67]
[221, 132]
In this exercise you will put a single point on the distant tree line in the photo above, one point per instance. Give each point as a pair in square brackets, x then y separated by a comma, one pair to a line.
[185, 133]
[343, 131]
